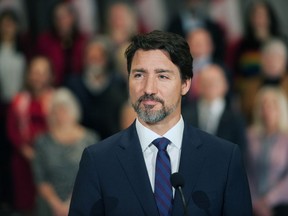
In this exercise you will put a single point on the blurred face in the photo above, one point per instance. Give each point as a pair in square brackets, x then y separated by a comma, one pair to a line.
[121, 18]
[259, 17]
[8, 28]
[200, 43]
[61, 114]
[39, 74]
[95, 54]
[270, 110]
[212, 83]
[273, 64]
[64, 19]
[156, 87]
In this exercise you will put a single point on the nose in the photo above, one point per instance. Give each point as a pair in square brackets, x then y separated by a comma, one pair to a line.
[150, 86]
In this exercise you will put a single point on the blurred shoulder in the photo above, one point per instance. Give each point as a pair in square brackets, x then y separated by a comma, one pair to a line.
[91, 136]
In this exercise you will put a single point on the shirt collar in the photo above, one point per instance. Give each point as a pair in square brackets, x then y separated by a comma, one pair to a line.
[146, 136]
[216, 106]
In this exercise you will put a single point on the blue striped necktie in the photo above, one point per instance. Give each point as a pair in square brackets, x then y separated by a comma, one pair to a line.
[163, 189]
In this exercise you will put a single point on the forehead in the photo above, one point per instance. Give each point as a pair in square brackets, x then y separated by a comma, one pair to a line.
[212, 72]
[153, 59]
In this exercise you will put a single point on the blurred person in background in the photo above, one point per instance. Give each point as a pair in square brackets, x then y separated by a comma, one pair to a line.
[127, 114]
[12, 66]
[158, 15]
[19, 7]
[12, 59]
[202, 48]
[122, 23]
[211, 112]
[58, 153]
[194, 14]
[267, 155]
[88, 15]
[38, 14]
[63, 44]
[273, 72]
[261, 25]
[27, 119]
[100, 94]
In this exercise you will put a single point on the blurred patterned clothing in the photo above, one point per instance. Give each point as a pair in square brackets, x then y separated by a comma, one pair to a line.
[57, 164]
[267, 167]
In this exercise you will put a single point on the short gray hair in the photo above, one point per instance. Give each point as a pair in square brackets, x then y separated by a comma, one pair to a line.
[63, 96]
[275, 45]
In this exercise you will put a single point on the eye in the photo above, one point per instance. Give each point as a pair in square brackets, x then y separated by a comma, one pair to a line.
[163, 76]
[138, 75]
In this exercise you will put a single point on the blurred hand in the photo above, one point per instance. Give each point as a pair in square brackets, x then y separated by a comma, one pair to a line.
[261, 208]
[60, 209]
[27, 152]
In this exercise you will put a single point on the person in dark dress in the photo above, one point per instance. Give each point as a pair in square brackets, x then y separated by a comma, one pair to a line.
[98, 90]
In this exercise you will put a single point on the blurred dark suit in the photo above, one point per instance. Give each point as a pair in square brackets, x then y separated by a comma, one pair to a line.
[231, 125]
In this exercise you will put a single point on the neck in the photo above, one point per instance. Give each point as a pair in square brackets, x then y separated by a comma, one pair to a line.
[36, 93]
[8, 42]
[271, 129]
[262, 34]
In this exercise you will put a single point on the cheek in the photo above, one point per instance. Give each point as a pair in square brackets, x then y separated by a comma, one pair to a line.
[134, 91]
[171, 94]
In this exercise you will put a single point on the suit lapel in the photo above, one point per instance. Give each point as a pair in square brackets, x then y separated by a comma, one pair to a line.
[131, 158]
[192, 158]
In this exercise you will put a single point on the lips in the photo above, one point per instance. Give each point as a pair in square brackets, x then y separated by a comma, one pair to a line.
[149, 102]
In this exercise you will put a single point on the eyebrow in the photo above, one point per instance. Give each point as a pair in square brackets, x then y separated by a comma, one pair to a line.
[157, 70]
[163, 71]
[138, 70]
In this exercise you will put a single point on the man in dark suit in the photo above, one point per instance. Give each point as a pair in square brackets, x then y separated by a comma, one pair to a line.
[128, 173]
[212, 112]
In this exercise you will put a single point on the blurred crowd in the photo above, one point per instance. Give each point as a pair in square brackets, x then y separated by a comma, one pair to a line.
[63, 87]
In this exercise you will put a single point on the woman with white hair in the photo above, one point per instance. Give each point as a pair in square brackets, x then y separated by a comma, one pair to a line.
[273, 72]
[267, 153]
[58, 153]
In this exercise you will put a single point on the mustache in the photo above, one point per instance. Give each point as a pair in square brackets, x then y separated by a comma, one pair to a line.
[150, 97]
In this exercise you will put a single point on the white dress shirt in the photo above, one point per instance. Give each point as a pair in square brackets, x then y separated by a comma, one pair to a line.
[210, 114]
[146, 137]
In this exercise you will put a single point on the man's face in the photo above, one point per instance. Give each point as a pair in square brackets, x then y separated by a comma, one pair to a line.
[273, 63]
[200, 43]
[155, 86]
[212, 83]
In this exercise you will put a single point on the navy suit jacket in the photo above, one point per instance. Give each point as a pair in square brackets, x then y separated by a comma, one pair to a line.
[113, 179]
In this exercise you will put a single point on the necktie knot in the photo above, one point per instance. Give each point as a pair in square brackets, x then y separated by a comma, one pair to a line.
[161, 143]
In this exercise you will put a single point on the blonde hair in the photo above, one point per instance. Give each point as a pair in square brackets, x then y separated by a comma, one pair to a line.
[275, 45]
[63, 96]
[282, 103]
